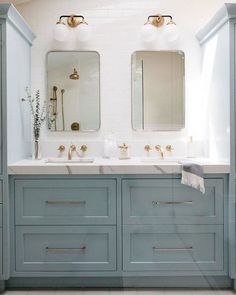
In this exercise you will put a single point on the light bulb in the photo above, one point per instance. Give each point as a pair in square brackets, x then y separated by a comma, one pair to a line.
[171, 31]
[60, 32]
[148, 32]
[83, 32]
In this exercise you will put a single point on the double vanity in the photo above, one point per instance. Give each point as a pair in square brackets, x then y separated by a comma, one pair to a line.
[122, 219]
[122, 224]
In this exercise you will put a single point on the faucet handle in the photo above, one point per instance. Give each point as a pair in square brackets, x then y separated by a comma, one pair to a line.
[61, 148]
[169, 148]
[83, 148]
[124, 146]
[147, 148]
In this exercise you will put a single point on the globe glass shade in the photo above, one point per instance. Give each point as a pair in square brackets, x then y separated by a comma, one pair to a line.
[83, 32]
[171, 32]
[148, 33]
[60, 32]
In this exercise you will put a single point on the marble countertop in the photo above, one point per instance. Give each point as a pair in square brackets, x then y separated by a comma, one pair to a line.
[112, 166]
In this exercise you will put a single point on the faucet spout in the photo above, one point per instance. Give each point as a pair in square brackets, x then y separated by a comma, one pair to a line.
[71, 150]
[159, 149]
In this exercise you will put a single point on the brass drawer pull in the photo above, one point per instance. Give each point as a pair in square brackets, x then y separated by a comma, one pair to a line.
[65, 202]
[59, 250]
[190, 248]
[156, 203]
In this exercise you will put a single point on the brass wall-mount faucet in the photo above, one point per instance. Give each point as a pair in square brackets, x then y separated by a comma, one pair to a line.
[158, 148]
[72, 149]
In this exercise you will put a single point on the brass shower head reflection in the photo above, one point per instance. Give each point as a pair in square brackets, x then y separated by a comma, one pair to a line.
[74, 75]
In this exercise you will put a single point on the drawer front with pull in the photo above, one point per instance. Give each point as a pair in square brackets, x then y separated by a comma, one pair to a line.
[163, 201]
[65, 248]
[173, 248]
[61, 202]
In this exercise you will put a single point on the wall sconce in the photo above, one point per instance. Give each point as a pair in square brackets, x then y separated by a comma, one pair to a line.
[155, 21]
[73, 21]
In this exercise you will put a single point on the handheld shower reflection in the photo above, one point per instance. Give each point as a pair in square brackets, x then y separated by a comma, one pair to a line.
[62, 109]
[74, 75]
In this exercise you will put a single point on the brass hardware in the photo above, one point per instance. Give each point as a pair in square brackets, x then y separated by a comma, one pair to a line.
[54, 105]
[74, 75]
[73, 21]
[71, 150]
[157, 20]
[124, 146]
[61, 148]
[65, 202]
[62, 109]
[159, 149]
[83, 148]
[75, 126]
[190, 248]
[156, 203]
[147, 148]
[169, 148]
[83, 248]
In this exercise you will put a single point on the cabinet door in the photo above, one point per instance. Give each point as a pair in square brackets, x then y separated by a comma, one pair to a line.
[65, 201]
[65, 248]
[174, 248]
[167, 201]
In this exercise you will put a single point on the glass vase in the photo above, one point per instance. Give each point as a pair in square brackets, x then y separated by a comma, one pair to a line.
[36, 153]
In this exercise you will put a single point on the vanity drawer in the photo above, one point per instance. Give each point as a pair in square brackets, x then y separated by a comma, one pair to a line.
[173, 248]
[65, 248]
[64, 201]
[167, 201]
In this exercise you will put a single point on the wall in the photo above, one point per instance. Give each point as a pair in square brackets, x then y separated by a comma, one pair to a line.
[116, 26]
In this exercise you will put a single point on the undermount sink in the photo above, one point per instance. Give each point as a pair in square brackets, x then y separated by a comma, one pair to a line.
[155, 159]
[64, 160]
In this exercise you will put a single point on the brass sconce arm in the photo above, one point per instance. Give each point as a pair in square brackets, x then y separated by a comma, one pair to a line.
[159, 16]
[73, 20]
[158, 20]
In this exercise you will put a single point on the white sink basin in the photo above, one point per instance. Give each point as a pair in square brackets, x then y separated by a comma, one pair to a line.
[165, 160]
[66, 161]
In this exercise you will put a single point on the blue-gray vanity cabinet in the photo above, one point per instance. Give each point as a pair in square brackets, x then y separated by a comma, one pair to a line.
[65, 248]
[167, 201]
[173, 248]
[56, 202]
[51, 236]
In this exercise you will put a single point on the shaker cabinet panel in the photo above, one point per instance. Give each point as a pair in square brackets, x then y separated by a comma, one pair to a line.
[167, 201]
[173, 248]
[61, 202]
[60, 249]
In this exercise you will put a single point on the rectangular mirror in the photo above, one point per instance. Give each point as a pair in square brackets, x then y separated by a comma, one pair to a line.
[158, 102]
[73, 79]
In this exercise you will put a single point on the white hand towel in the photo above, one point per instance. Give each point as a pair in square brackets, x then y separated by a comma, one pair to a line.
[192, 175]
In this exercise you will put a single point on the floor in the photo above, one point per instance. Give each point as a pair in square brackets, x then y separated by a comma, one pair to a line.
[125, 292]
